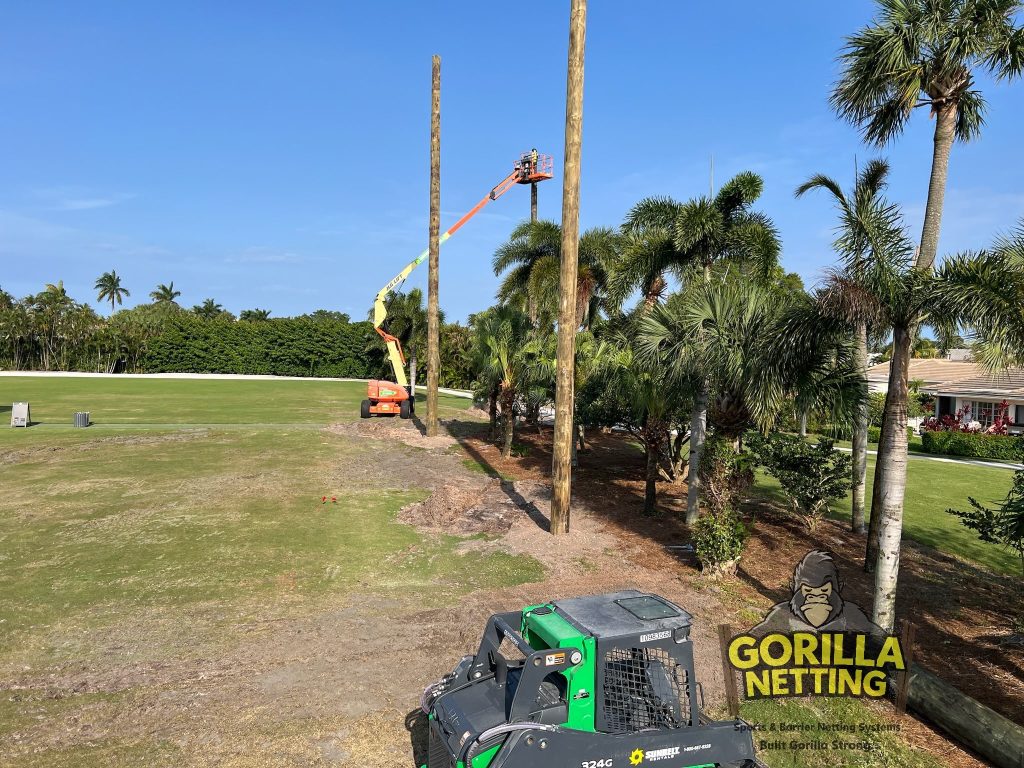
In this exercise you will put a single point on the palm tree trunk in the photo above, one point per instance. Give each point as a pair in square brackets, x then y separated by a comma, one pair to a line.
[508, 402]
[860, 436]
[803, 423]
[698, 432]
[561, 460]
[651, 487]
[433, 262]
[412, 374]
[492, 411]
[891, 482]
[945, 133]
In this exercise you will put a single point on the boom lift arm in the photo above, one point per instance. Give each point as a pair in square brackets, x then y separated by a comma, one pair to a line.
[380, 311]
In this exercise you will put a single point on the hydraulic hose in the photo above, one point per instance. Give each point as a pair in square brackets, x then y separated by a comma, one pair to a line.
[468, 751]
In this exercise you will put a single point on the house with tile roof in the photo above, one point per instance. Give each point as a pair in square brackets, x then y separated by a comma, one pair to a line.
[962, 386]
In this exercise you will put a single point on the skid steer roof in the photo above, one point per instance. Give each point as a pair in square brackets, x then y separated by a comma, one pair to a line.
[624, 613]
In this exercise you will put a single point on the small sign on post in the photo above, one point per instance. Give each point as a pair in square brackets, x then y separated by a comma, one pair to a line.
[20, 416]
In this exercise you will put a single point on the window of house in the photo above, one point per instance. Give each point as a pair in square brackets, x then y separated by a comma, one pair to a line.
[984, 412]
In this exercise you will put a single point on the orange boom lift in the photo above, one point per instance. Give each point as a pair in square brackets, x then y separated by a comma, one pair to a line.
[390, 398]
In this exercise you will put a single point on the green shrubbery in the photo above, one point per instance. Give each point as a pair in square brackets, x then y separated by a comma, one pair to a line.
[974, 444]
[720, 535]
[718, 540]
[811, 475]
[299, 346]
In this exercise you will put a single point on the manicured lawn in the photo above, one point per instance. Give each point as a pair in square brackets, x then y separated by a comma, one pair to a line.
[932, 488]
[193, 499]
[190, 401]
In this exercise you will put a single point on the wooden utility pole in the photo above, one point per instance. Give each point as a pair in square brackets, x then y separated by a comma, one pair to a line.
[433, 327]
[561, 462]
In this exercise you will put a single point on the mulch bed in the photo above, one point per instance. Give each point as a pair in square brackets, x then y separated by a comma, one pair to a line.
[963, 614]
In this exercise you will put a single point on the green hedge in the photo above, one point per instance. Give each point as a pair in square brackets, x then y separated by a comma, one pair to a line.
[974, 445]
[280, 347]
[845, 432]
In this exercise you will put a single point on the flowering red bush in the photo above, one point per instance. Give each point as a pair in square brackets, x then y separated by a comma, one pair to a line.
[962, 422]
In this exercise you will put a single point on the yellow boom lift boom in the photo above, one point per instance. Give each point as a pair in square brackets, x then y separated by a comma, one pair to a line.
[390, 398]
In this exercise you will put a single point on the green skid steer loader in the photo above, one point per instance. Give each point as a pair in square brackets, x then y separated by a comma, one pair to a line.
[592, 682]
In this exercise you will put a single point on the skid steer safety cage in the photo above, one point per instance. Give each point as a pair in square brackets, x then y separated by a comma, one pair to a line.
[643, 688]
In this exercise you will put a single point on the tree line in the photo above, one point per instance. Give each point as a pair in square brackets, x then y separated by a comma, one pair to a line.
[51, 331]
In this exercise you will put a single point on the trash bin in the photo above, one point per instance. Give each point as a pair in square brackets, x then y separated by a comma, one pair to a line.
[81, 418]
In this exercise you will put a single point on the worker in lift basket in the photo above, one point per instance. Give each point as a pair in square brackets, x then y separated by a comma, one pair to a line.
[533, 161]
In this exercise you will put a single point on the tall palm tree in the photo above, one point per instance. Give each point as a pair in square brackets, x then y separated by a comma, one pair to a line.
[529, 263]
[976, 294]
[862, 223]
[707, 233]
[165, 294]
[110, 289]
[926, 53]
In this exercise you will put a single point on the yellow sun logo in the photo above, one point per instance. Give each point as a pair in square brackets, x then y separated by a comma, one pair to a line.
[637, 757]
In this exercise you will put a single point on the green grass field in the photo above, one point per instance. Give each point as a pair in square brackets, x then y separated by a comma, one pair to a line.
[193, 507]
[932, 488]
[193, 498]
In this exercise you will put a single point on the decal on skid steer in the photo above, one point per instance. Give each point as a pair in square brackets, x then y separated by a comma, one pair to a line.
[655, 636]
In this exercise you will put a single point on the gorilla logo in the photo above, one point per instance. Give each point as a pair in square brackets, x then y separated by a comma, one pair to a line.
[817, 603]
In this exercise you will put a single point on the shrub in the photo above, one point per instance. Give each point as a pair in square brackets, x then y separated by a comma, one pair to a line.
[811, 475]
[724, 473]
[974, 444]
[300, 346]
[718, 539]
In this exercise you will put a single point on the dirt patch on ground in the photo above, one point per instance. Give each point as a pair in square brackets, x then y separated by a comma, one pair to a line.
[409, 432]
[44, 452]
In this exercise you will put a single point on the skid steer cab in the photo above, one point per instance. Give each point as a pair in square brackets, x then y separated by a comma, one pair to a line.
[591, 682]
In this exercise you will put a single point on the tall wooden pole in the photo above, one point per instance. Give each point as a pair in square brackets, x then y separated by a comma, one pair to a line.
[561, 463]
[433, 327]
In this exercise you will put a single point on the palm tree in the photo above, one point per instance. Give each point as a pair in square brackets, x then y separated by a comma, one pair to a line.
[165, 294]
[751, 345]
[977, 294]
[862, 222]
[707, 233]
[209, 309]
[254, 315]
[109, 289]
[925, 53]
[530, 262]
[499, 336]
[651, 394]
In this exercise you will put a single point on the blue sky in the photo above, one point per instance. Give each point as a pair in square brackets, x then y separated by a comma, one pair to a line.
[276, 155]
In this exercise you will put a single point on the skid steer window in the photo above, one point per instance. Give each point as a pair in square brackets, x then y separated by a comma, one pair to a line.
[648, 608]
[644, 688]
